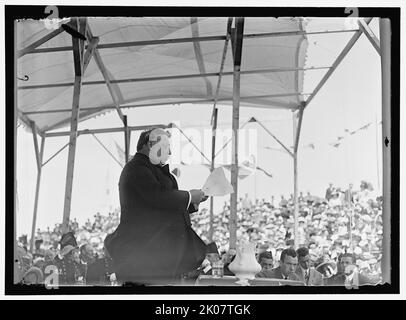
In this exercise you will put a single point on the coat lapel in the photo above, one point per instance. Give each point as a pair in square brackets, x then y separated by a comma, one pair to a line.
[312, 276]
[355, 280]
[158, 171]
[299, 273]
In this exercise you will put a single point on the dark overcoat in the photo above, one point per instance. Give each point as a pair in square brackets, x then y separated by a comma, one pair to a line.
[154, 242]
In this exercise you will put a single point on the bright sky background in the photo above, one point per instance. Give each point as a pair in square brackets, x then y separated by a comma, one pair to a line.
[350, 99]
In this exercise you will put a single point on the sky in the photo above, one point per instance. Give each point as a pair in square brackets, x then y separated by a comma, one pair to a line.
[350, 99]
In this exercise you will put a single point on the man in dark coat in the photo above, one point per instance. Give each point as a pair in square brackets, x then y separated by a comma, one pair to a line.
[99, 271]
[154, 242]
[349, 275]
[329, 192]
[286, 269]
[67, 262]
[206, 268]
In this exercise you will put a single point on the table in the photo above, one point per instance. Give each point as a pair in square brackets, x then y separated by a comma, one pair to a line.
[206, 280]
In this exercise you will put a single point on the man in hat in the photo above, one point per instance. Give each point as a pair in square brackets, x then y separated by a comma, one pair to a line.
[265, 259]
[349, 195]
[326, 268]
[206, 268]
[329, 192]
[38, 252]
[67, 261]
[154, 242]
[306, 274]
[301, 232]
[87, 256]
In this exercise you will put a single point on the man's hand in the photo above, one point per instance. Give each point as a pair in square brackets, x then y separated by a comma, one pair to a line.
[197, 196]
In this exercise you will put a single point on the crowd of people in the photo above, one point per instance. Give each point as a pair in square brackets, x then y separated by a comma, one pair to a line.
[74, 253]
[342, 223]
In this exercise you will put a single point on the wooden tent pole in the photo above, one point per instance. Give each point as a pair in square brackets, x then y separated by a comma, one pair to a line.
[385, 39]
[276, 139]
[191, 39]
[214, 122]
[370, 35]
[38, 155]
[16, 277]
[338, 60]
[297, 124]
[126, 139]
[213, 156]
[237, 50]
[36, 44]
[78, 56]
[295, 186]
[108, 130]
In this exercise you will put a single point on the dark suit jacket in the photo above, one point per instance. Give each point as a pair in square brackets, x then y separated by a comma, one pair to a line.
[276, 273]
[315, 277]
[154, 242]
[98, 272]
[329, 193]
[339, 280]
[68, 271]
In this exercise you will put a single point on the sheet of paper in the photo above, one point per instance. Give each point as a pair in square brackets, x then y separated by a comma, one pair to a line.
[217, 184]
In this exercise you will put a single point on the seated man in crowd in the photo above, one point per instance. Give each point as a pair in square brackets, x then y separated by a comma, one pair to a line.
[349, 275]
[38, 252]
[227, 259]
[306, 274]
[87, 257]
[287, 267]
[68, 262]
[265, 259]
[206, 268]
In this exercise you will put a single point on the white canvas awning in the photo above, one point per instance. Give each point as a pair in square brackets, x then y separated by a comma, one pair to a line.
[153, 61]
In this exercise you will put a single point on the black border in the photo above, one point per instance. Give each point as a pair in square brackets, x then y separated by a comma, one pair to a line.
[13, 12]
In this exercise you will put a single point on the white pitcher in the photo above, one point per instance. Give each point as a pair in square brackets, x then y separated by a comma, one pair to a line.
[245, 265]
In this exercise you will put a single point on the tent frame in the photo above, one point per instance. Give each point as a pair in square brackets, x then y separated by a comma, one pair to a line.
[78, 59]
[184, 40]
[236, 35]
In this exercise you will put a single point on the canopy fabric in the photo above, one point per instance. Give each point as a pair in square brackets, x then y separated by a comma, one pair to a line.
[272, 66]
[270, 90]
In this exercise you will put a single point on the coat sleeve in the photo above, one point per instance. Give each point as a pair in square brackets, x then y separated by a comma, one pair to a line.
[193, 208]
[147, 187]
[319, 279]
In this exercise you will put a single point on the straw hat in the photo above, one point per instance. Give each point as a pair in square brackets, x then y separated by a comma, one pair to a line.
[33, 271]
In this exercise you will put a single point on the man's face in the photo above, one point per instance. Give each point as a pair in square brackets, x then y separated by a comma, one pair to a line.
[69, 256]
[289, 265]
[88, 253]
[304, 262]
[266, 264]
[73, 255]
[345, 264]
[212, 257]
